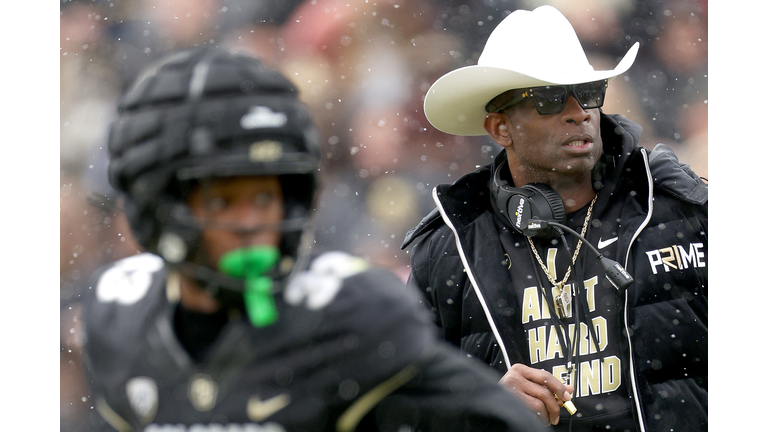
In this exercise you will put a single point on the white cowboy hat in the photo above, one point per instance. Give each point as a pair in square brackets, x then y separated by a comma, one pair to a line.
[527, 49]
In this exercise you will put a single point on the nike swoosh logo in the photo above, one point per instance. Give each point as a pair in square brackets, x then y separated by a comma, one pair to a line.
[601, 244]
[259, 410]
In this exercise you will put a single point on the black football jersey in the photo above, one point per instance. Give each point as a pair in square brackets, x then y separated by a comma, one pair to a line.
[352, 349]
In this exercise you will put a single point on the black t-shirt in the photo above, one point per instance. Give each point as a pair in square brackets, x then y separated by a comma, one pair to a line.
[598, 372]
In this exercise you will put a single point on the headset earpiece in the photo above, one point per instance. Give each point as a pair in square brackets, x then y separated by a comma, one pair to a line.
[523, 206]
[534, 201]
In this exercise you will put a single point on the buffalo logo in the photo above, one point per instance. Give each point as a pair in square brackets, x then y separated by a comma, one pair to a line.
[202, 392]
[259, 117]
[265, 151]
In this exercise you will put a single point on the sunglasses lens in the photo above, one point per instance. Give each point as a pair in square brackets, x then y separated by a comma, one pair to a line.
[590, 95]
[549, 100]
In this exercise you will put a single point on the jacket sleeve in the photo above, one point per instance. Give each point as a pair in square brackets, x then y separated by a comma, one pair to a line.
[420, 273]
[420, 257]
[438, 272]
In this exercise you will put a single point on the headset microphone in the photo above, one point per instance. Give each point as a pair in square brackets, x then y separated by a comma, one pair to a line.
[536, 210]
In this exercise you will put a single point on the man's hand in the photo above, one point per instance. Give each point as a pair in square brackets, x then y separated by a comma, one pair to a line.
[537, 388]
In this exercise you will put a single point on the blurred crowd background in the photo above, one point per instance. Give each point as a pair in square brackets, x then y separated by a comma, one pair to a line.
[363, 67]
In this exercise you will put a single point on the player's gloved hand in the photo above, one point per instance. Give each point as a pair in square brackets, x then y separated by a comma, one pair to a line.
[537, 389]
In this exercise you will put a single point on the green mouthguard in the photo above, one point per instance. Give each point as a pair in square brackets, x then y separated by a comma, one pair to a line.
[251, 263]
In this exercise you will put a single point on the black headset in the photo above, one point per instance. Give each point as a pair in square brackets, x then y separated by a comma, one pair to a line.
[526, 206]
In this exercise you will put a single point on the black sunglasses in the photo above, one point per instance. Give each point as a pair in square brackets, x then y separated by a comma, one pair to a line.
[551, 99]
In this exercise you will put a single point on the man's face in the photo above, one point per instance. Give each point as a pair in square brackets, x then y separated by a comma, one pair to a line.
[223, 205]
[548, 148]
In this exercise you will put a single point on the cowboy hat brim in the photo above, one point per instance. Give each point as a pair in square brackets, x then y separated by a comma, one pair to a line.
[455, 103]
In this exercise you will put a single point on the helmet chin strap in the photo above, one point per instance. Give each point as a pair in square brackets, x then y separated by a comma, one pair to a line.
[252, 263]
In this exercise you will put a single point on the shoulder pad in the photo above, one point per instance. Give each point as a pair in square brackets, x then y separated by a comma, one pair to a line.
[318, 286]
[676, 178]
[430, 221]
[128, 280]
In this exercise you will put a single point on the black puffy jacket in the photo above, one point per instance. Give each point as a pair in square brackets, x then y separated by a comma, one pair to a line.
[660, 211]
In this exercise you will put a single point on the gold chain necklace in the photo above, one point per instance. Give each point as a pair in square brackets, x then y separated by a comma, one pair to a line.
[563, 297]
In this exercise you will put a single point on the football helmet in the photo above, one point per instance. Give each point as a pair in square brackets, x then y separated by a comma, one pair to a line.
[204, 113]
